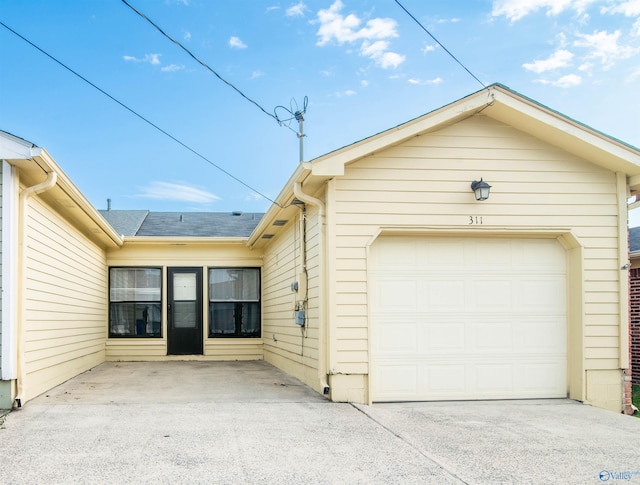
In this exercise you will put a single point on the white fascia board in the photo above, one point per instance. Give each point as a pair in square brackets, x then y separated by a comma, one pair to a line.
[14, 148]
[8, 296]
[558, 129]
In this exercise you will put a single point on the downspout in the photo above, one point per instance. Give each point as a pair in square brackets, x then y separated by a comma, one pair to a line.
[324, 334]
[49, 183]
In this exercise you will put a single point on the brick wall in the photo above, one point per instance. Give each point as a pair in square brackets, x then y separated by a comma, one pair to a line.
[635, 323]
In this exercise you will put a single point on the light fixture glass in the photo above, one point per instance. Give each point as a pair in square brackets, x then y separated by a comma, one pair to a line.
[480, 189]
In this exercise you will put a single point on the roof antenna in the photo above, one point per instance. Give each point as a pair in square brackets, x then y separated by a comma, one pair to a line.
[300, 119]
[298, 115]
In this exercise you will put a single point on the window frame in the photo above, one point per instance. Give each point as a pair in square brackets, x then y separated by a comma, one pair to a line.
[135, 303]
[257, 304]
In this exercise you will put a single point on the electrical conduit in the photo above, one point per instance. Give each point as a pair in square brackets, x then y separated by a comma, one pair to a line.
[324, 327]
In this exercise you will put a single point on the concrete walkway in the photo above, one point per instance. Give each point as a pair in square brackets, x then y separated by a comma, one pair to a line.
[247, 422]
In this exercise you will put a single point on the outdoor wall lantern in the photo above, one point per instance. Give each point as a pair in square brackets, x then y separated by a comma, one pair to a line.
[480, 189]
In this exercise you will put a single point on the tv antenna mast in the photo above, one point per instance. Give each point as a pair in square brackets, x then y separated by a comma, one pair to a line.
[294, 113]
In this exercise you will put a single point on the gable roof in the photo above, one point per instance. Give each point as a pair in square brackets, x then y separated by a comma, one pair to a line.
[182, 224]
[497, 102]
[509, 107]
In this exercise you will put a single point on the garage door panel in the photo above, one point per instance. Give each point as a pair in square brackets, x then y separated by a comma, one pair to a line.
[444, 380]
[396, 295]
[544, 335]
[492, 252]
[490, 379]
[441, 254]
[493, 295]
[468, 318]
[442, 338]
[544, 294]
[445, 295]
[541, 257]
[491, 336]
[397, 338]
[543, 377]
[399, 381]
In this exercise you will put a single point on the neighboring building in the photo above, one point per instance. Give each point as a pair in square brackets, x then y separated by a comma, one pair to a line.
[634, 282]
[376, 275]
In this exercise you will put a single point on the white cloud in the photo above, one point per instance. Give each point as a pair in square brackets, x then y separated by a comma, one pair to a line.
[427, 82]
[364, 83]
[335, 27]
[390, 60]
[568, 81]
[296, 10]
[630, 8]
[172, 68]
[429, 48]
[187, 36]
[604, 47]
[347, 92]
[180, 192]
[517, 9]
[153, 59]
[379, 53]
[561, 40]
[585, 67]
[378, 29]
[374, 50]
[560, 58]
[257, 74]
[236, 43]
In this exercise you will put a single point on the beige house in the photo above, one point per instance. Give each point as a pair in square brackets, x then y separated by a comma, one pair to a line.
[376, 276]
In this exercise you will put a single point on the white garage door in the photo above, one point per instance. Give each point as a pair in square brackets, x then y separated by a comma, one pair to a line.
[468, 318]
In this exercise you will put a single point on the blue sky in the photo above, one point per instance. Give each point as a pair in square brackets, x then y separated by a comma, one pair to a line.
[365, 66]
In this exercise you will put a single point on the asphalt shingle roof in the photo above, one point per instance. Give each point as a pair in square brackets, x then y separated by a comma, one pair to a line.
[125, 223]
[183, 224]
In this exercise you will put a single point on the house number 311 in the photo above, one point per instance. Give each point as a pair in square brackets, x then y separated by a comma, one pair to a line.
[475, 219]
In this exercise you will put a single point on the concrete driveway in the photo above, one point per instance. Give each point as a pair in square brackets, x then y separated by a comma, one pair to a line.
[246, 422]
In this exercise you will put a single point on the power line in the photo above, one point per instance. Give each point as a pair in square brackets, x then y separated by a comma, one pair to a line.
[146, 120]
[439, 43]
[202, 63]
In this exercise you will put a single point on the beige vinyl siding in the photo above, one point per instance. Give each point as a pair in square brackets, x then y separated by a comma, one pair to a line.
[65, 300]
[424, 185]
[204, 254]
[286, 345]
